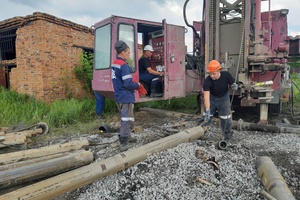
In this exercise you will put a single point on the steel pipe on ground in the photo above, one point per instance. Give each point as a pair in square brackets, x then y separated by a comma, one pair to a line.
[241, 125]
[271, 178]
[41, 152]
[45, 169]
[58, 185]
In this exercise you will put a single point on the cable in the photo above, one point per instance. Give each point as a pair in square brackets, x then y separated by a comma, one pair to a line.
[185, 19]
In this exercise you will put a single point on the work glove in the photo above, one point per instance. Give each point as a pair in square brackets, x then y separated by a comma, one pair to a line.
[142, 91]
[234, 86]
[205, 119]
[206, 115]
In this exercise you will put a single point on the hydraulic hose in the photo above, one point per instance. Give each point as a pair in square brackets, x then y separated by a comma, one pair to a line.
[185, 19]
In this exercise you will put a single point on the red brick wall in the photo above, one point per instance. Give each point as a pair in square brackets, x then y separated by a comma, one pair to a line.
[2, 76]
[46, 57]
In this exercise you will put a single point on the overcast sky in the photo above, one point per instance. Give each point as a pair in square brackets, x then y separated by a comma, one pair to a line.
[88, 12]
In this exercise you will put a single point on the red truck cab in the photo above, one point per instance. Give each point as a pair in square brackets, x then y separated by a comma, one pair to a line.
[168, 42]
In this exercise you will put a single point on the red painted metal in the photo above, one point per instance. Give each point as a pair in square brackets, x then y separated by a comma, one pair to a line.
[274, 25]
[258, 42]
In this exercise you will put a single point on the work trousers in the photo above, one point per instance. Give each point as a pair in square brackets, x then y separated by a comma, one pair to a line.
[127, 118]
[222, 104]
[152, 79]
[100, 103]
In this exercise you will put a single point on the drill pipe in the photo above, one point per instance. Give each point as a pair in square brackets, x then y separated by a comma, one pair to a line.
[58, 185]
[240, 125]
[271, 178]
[222, 145]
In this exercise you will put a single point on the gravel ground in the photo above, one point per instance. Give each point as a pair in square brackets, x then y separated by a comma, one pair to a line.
[180, 173]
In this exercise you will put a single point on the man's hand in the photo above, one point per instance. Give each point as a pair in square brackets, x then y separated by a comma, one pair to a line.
[205, 119]
[234, 86]
[142, 91]
[206, 115]
[161, 73]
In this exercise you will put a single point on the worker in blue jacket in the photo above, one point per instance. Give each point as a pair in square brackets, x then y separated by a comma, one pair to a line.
[124, 89]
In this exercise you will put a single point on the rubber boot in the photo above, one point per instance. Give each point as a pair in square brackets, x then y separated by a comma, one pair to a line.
[130, 139]
[154, 92]
[124, 143]
[226, 128]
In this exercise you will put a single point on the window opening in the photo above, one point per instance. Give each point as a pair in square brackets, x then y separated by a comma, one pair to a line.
[8, 44]
[126, 33]
[7, 55]
[102, 49]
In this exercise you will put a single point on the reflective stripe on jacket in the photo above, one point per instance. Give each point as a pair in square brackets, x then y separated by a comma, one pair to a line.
[122, 82]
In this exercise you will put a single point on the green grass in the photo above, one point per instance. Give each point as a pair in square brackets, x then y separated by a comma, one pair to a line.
[184, 105]
[294, 62]
[20, 108]
[16, 108]
[295, 87]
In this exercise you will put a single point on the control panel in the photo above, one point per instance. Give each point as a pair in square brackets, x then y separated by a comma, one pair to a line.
[157, 59]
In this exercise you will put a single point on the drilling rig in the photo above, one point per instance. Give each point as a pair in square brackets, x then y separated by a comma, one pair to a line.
[249, 43]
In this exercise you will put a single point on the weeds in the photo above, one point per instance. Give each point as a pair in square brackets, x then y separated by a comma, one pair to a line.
[184, 105]
[295, 87]
[21, 108]
[17, 108]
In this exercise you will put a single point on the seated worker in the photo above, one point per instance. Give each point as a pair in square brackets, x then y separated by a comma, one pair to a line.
[147, 74]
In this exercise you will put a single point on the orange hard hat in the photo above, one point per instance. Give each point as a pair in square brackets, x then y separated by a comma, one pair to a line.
[213, 66]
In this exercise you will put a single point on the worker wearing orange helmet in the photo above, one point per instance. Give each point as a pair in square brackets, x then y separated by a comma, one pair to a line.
[216, 96]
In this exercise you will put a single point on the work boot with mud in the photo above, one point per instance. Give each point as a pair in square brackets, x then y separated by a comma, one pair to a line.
[132, 140]
[124, 146]
[153, 95]
[154, 92]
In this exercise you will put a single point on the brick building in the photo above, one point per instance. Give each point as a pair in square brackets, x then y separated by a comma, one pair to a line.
[38, 53]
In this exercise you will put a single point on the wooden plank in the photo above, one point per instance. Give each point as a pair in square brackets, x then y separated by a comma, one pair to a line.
[4, 129]
[27, 133]
[17, 138]
[12, 140]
